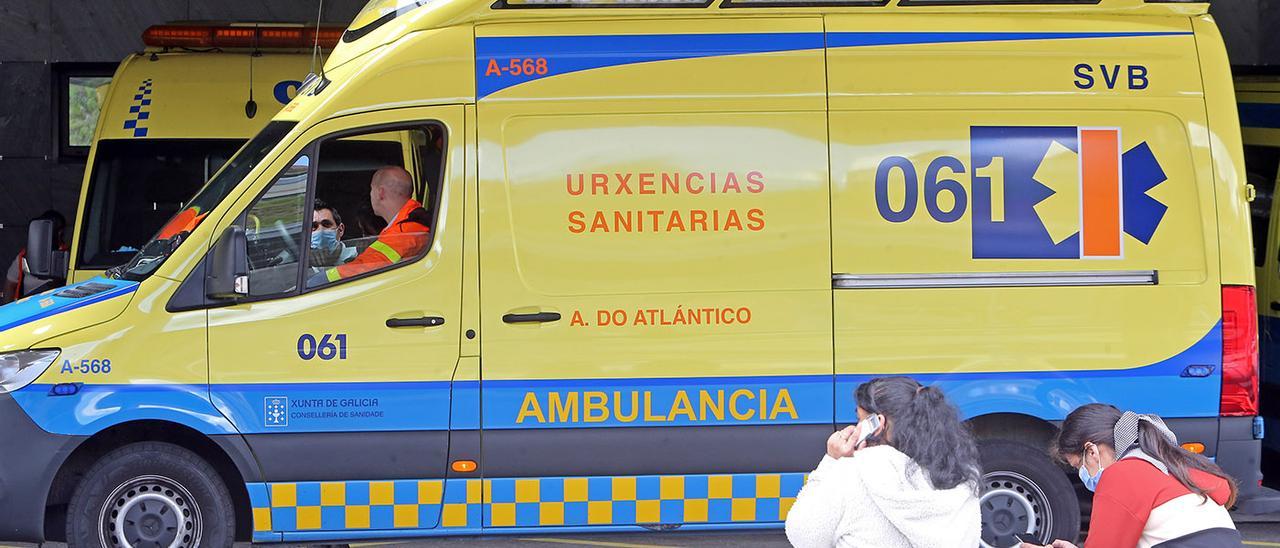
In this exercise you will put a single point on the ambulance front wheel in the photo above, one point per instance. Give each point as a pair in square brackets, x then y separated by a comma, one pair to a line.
[1024, 492]
[150, 495]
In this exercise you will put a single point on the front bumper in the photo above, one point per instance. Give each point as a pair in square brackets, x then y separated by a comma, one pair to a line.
[29, 460]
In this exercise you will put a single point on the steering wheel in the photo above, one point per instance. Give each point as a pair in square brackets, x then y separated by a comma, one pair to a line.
[284, 235]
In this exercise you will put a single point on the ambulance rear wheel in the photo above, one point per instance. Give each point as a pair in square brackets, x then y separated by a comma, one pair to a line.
[150, 495]
[1024, 492]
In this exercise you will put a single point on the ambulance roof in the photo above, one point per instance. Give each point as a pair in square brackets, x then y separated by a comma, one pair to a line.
[384, 21]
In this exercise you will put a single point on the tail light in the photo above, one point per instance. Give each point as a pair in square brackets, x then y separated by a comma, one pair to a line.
[1239, 351]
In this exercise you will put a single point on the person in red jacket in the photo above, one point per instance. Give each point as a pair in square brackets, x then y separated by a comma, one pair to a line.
[406, 235]
[1148, 490]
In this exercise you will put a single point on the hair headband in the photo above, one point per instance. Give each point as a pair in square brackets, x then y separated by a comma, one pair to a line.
[1126, 431]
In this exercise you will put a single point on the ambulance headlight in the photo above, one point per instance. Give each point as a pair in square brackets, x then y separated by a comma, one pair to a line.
[18, 369]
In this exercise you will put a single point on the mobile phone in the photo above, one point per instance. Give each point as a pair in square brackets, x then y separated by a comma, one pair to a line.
[869, 425]
[1028, 538]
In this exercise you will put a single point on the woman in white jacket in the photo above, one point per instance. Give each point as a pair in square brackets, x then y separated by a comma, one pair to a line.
[910, 482]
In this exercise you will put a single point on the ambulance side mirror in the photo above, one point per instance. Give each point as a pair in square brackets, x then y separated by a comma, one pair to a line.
[42, 259]
[227, 274]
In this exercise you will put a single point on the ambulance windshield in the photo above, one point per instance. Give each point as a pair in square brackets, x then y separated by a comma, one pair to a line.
[135, 186]
[377, 13]
[171, 236]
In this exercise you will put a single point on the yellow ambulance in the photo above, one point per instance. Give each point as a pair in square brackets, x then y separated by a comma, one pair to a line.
[636, 257]
[1259, 104]
[175, 113]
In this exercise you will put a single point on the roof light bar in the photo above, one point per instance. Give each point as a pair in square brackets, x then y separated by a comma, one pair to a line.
[231, 36]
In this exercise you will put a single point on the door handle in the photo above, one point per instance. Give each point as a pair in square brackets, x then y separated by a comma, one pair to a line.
[539, 317]
[426, 321]
[1275, 306]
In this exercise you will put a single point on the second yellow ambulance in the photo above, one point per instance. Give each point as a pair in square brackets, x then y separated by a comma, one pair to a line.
[175, 113]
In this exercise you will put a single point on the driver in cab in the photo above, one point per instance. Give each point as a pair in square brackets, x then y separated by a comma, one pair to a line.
[327, 247]
[406, 234]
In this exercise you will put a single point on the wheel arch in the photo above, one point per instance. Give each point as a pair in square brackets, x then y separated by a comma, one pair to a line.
[227, 454]
[1016, 427]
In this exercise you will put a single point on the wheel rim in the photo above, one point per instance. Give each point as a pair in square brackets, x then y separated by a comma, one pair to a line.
[150, 512]
[1012, 503]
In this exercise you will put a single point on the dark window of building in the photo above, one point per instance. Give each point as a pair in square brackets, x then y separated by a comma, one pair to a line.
[80, 89]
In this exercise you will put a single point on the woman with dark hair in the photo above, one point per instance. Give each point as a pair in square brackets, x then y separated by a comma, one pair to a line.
[910, 479]
[1148, 490]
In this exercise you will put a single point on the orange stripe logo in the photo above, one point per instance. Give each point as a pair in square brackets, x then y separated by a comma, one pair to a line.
[1100, 193]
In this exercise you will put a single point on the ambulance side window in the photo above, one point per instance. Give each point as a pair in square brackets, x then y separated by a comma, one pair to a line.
[1261, 164]
[358, 228]
[274, 230]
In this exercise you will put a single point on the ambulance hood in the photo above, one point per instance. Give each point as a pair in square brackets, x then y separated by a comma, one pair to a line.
[903, 494]
[59, 311]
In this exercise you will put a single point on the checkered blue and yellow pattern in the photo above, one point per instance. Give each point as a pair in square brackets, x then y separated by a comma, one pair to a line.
[470, 504]
[140, 110]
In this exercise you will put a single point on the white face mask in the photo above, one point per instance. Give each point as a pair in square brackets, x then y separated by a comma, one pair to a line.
[324, 239]
[1090, 481]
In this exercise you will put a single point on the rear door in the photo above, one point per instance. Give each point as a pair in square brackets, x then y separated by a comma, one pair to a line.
[655, 263]
[1025, 216]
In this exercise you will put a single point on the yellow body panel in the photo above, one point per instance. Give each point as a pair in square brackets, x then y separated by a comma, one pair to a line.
[1223, 141]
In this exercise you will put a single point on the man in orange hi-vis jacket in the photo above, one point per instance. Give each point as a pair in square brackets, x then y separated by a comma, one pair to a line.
[407, 233]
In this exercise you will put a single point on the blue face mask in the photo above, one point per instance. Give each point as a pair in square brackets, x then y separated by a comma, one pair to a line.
[1090, 481]
[324, 240]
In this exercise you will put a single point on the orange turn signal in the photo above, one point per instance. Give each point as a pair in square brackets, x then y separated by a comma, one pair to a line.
[1197, 448]
[470, 465]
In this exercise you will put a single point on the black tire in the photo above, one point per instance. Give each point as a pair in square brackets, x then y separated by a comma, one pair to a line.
[1024, 491]
[152, 493]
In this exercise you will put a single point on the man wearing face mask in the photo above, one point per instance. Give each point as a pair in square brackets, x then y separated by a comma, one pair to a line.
[327, 230]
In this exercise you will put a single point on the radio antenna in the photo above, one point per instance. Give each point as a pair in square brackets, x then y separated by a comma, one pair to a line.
[315, 50]
[251, 106]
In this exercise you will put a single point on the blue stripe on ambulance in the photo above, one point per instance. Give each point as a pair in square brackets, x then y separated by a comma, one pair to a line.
[335, 407]
[86, 413]
[568, 54]
[1050, 395]
[47, 304]
[862, 39]
[627, 402]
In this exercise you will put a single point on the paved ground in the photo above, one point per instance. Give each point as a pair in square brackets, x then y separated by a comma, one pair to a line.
[1266, 533]
[1255, 534]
